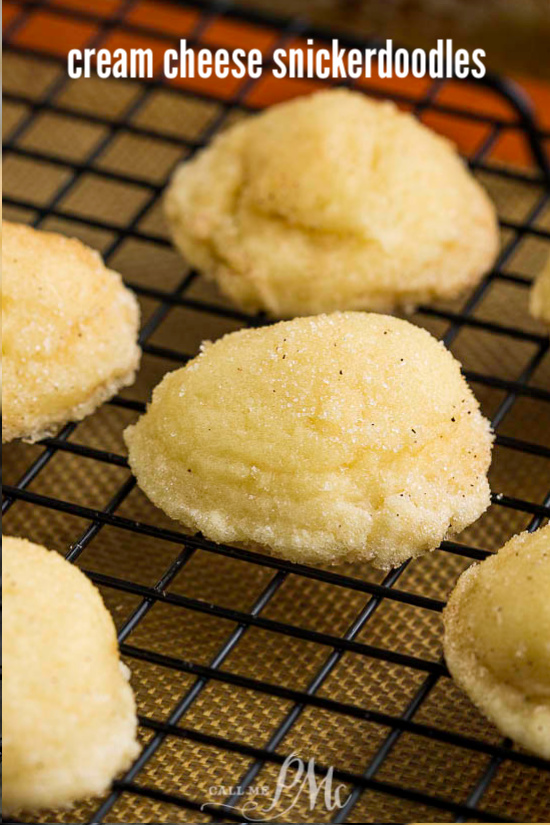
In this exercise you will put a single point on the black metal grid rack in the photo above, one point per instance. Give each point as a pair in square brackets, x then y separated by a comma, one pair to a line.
[500, 782]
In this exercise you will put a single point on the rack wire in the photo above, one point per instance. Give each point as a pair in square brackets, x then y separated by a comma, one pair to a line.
[238, 658]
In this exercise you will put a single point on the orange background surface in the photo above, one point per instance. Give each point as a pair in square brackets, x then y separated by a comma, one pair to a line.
[158, 25]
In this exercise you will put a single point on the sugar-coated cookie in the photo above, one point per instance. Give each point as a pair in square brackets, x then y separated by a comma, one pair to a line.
[332, 202]
[69, 720]
[69, 332]
[497, 638]
[351, 436]
[540, 295]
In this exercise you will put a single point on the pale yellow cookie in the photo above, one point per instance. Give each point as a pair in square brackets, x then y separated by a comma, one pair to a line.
[332, 202]
[69, 329]
[497, 638]
[540, 295]
[69, 719]
[342, 437]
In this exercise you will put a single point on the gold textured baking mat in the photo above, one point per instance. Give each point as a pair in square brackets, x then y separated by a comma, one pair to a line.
[242, 715]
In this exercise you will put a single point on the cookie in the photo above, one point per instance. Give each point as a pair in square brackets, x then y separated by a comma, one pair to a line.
[69, 332]
[497, 638]
[332, 202]
[69, 719]
[351, 436]
[540, 295]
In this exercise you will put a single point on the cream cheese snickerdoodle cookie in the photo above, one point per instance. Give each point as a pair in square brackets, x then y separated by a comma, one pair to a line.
[332, 202]
[497, 638]
[540, 295]
[350, 436]
[69, 719]
[69, 332]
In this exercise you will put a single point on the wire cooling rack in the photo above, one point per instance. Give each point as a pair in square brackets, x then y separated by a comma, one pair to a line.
[239, 659]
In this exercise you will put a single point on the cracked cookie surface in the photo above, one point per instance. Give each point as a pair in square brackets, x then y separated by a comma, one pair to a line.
[332, 202]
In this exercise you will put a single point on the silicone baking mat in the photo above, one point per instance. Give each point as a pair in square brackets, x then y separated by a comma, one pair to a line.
[239, 659]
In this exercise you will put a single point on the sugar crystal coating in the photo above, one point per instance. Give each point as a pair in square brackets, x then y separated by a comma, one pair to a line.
[497, 638]
[347, 436]
[69, 720]
[332, 202]
[69, 332]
